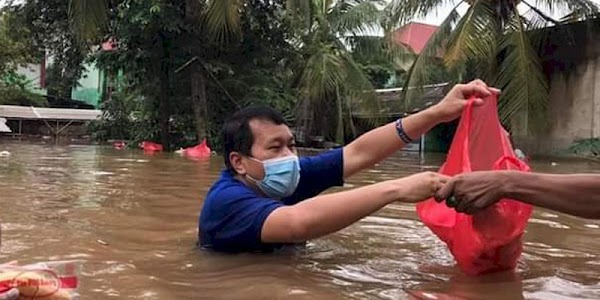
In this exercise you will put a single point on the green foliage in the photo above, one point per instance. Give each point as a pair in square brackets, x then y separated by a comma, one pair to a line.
[15, 89]
[334, 82]
[312, 59]
[15, 50]
[47, 25]
[15, 43]
[160, 44]
[375, 61]
[260, 69]
[587, 147]
[89, 18]
[520, 75]
[126, 117]
[494, 41]
[379, 75]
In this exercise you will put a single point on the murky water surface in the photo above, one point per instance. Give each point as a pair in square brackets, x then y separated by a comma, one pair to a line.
[131, 218]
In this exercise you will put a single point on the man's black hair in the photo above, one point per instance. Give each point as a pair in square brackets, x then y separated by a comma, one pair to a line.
[237, 135]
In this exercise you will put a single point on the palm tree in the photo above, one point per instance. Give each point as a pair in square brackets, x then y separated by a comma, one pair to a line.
[220, 17]
[326, 33]
[495, 41]
[331, 83]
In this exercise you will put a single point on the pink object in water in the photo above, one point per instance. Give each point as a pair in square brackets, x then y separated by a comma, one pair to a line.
[109, 45]
[150, 146]
[199, 151]
[119, 145]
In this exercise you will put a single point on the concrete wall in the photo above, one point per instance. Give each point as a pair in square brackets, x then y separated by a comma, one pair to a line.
[33, 73]
[90, 89]
[574, 106]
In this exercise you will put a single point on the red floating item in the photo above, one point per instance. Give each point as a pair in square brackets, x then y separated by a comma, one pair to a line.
[490, 240]
[150, 146]
[199, 151]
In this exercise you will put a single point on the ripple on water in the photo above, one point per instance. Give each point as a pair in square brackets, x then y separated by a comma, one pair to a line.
[57, 205]
[549, 223]
[559, 288]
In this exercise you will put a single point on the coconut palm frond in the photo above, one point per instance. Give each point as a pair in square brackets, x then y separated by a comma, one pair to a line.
[540, 34]
[399, 12]
[88, 18]
[475, 36]
[399, 53]
[360, 92]
[320, 84]
[222, 19]
[537, 14]
[418, 75]
[323, 72]
[521, 78]
[575, 10]
[354, 17]
[378, 48]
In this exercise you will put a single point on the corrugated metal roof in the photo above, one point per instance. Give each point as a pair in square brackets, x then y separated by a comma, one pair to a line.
[3, 127]
[42, 113]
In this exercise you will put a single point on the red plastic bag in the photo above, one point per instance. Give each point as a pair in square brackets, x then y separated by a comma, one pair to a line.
[199, 151]
[490, 240]
[151, 146]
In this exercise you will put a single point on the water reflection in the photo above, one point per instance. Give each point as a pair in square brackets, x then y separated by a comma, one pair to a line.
[132, 218]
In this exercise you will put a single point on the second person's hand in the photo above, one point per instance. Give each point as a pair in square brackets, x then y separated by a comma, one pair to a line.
[471, 192]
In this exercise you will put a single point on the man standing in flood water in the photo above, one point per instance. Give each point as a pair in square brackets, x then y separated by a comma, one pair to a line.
[268, 197]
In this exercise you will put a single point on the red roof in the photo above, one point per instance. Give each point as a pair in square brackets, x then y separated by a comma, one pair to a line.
[415, 35]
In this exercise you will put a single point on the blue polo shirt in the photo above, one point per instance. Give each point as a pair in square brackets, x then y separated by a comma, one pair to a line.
[233, 214]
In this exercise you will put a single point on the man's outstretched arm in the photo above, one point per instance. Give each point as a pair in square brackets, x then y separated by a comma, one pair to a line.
[325, 214]
[574, 194]
[379, 143]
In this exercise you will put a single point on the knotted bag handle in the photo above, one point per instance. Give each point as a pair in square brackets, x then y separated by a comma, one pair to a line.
[521, 166]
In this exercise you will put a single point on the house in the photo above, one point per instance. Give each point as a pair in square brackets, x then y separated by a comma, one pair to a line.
[65, 116]
[414, 35]
[88, 93]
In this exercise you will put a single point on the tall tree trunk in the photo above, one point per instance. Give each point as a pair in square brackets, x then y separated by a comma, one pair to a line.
[199, 100]
[339, 135]
[197, 76]
[163, 100]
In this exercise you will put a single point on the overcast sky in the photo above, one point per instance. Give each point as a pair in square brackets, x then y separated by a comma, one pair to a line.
[436, 18]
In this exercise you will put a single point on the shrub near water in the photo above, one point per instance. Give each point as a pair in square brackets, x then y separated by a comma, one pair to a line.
[587, 147]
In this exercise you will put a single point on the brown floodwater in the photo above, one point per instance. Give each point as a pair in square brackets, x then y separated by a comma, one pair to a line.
[57, 202]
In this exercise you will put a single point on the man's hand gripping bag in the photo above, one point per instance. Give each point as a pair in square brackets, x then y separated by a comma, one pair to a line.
[490, 240]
